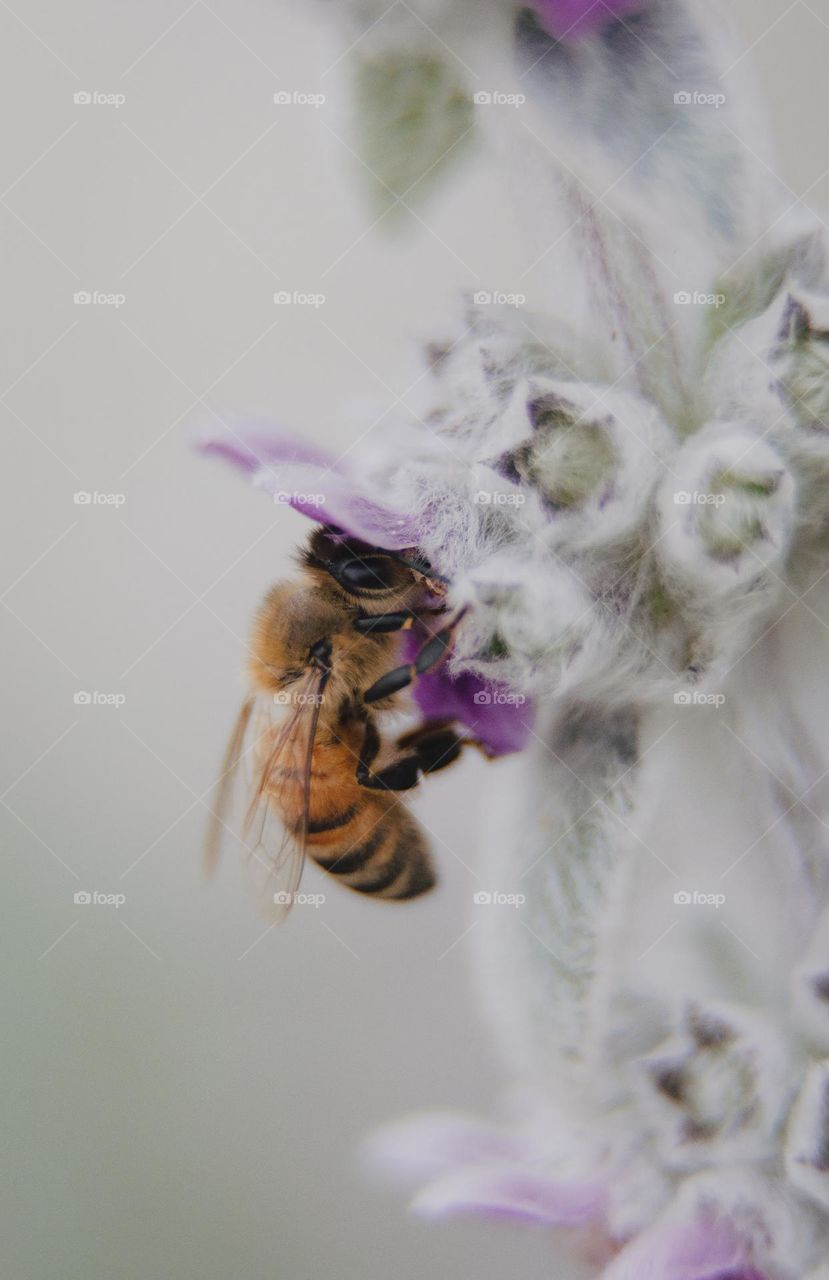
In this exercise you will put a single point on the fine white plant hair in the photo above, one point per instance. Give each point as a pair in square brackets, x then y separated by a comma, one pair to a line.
[625, 482]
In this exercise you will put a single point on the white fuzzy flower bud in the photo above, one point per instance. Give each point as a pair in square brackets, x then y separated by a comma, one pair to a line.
[719, 1090]
[593, 458]
[528, 618]
[727, 513]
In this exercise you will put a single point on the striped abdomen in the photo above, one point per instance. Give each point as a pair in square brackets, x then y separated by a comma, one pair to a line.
[366, 838]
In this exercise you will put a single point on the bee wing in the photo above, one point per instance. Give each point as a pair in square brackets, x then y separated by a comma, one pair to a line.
[246, 808]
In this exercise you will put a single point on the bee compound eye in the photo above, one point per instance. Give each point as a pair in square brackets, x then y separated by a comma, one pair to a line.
[369, 573]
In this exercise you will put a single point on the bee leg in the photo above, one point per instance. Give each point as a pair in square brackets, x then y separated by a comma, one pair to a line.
[383, 622]
[435, 746]
[428, 656]
[400, 775]
[427, 749]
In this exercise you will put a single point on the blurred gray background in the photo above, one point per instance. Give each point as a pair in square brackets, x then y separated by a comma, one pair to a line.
[184, 1092]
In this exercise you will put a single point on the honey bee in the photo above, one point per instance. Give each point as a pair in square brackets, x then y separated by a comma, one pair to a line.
[322, 781]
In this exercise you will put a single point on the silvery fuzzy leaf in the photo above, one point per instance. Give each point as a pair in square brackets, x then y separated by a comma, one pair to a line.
[412, 117]
[794, 253]
[566, 855]
[807, 1147]
[635, 157]
[810, 989]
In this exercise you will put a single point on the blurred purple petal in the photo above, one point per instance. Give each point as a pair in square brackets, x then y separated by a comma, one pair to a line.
[426, 1144]
[251, 446]
[701, 1250]
[511, 1191]
[332, 498]
[489, 711]
[313, 482]
[569, 19]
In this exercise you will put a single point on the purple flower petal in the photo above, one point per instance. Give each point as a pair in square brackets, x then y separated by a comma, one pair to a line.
[571, 19]
[500, 720]
[477, 1167]
[501, 724]
[313, 482]
[427, 1144]
[514, 1192]
[252, 446]
[708, 1249]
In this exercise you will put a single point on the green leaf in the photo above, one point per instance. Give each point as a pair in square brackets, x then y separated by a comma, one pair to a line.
[413, 115]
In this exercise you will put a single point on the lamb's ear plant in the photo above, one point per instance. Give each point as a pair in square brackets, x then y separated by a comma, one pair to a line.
[627, 483]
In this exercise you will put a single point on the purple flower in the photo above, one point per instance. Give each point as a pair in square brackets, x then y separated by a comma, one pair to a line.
[470, 1166]
[706, 1249]
[322, 487]
[491, 713]
[313, 482]
[571, 19]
